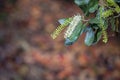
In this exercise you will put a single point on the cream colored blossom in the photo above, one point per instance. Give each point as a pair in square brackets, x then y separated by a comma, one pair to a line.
[72, 26]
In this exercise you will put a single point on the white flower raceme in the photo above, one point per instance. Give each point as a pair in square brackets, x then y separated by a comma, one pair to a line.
[60, 28]
[72, 26]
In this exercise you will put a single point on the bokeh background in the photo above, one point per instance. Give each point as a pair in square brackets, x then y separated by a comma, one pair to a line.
[27, 52]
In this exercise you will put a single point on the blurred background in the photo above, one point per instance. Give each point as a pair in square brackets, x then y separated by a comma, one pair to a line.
[27, 52]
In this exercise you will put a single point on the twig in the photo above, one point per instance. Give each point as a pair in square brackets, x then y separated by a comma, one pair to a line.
[84, 19]
[117, 16]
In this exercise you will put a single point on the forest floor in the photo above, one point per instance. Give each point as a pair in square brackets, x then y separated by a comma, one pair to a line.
[27, 52]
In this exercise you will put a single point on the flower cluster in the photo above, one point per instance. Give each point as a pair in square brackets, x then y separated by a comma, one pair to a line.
[72, 26]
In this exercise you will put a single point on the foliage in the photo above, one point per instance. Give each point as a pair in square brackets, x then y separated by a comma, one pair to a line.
[106, 12]
[88, 6]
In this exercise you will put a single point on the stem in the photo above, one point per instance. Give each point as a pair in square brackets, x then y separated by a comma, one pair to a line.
[84, 19]
[117, 16]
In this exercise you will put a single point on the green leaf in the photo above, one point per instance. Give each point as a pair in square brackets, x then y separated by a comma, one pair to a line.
[98, 35]
[81, 2]
[118, 1]
[75, 35]
[88, 6]
[94, 8]
[89, 37]
[80, 28]
[94, 21]
[78, 31]
[68, 42]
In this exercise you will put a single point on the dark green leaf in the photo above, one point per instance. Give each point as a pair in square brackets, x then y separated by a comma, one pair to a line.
[118, 1]
[89, 37]
[98, 35]
[81, 2]
[80, 28]
[68, 42]
[94, 21]
[88, 6]
[78, 31]
[94, 8]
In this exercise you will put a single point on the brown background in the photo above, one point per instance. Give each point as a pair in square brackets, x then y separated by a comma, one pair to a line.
[27, 52]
